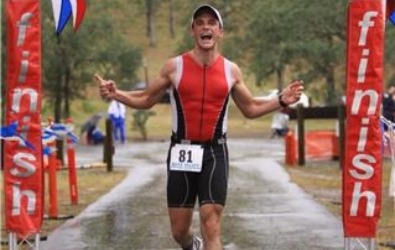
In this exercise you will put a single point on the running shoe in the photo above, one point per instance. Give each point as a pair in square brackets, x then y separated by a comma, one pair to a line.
[197, 243]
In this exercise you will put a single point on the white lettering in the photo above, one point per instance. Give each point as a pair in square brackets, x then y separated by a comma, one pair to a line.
[365, 24]
[363, 64]
[356, 197]
[23, 24]
[359, 162]
[17, 196]
[373, 101]
[24, 67]
[21, 160]
[17, 96]
[363, 135]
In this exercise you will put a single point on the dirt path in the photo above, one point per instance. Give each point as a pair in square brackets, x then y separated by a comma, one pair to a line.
[264, 210]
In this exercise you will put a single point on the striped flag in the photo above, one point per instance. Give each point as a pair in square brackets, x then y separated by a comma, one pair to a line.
[78, 9]
[391, 11]
[63, 9]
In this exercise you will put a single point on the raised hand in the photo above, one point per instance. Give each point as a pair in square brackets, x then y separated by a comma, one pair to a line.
[107, 88]
[292, 92]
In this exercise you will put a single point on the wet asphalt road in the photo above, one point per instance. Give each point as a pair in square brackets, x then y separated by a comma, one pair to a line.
[264, 209]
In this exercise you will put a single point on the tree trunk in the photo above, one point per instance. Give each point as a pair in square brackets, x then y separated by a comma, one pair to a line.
[58, 99]
[150, 22]
[66, 108]
[280, 78]
[331, 98]
[58, 95]
[58, 102]
[171, 19]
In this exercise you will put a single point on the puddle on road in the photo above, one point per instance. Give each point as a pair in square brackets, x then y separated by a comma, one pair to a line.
[139, 222]
[255, 218]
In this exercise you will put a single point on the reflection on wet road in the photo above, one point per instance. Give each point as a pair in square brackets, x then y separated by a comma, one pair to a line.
[264, 210]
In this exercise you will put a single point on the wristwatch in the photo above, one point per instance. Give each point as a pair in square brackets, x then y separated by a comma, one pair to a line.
[282, 103]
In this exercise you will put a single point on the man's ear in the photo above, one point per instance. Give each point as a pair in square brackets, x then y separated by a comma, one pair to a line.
[221, 33]
[191, 30]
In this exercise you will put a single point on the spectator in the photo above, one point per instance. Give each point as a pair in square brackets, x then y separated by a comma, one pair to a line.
[389, 105]
[116, 113]
[280, 123]
[95, 136]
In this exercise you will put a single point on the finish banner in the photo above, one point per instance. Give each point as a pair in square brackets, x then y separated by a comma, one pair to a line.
[23, 175]
[362, 166]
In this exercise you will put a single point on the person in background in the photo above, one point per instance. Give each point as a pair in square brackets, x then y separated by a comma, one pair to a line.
[95, 136]
[389, 103]
[280, 123]
[116, 113]
[201, 82]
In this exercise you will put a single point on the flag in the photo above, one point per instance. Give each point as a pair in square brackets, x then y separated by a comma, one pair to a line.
[10, 133]
[78, 10]
[391, 11]
[63, 9]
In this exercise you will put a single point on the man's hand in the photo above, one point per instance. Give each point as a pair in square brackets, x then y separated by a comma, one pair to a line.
[107, 88]
[292, 92]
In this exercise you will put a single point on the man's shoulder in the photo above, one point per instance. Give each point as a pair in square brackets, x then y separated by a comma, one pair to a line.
[232, 63]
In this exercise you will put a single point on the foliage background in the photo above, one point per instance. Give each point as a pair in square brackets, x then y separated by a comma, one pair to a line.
[274, 41]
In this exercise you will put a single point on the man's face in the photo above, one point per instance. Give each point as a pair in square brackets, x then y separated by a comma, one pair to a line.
[206, 31]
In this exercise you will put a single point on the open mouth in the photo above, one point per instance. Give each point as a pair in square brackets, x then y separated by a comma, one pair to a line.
[206, 36]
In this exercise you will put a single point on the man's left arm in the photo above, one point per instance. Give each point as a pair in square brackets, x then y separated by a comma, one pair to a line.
[253, 107]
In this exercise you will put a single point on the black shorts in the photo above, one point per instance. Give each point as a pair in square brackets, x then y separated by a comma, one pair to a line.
[209, 186]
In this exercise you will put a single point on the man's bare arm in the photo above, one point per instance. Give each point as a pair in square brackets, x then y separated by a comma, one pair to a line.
[252, 107]
[139, 99]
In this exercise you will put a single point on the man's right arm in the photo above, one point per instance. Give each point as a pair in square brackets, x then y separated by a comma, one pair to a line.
[139, 99]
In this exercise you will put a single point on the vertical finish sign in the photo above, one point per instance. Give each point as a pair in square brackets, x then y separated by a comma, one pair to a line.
[362, 170]
[23, 175]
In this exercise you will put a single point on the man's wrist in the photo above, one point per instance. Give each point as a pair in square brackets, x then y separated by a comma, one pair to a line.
[282, 103]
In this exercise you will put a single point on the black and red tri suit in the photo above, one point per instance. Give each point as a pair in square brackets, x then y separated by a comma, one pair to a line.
[199, 99]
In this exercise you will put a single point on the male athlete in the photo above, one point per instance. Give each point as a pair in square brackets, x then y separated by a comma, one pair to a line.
[201, 81]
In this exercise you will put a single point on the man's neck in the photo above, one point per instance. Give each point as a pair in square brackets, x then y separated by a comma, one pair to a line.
[204, 57]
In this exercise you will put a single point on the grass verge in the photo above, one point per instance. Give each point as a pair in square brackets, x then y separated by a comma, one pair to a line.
[92, 184]
[323, 181]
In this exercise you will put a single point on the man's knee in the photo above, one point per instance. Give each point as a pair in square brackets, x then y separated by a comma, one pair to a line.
[211, 221]
[181, 220]
[212, 226]
[180, 234]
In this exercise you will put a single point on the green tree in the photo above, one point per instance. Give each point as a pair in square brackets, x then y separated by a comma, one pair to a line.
[71, 59]
[273, 38]
[150, 9]
[323, 45]
[304, 39]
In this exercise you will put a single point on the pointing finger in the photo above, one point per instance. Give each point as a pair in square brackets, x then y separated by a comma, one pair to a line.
[99, 79]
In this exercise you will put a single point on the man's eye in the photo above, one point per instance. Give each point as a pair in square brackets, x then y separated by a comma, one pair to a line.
[212, 22]
[199, 22]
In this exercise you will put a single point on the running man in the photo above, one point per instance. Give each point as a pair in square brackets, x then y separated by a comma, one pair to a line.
[201, 81]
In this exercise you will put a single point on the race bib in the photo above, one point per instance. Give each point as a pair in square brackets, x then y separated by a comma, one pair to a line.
[186, 157]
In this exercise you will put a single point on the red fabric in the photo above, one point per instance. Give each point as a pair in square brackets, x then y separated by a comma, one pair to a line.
[23, 175]
[362, 167]
[203, 93]
[81, 6]
[390, 7]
